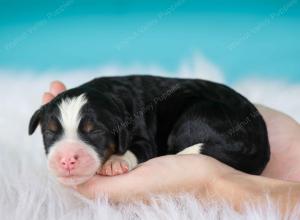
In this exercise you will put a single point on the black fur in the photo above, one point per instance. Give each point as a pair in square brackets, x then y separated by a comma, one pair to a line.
[154, 116]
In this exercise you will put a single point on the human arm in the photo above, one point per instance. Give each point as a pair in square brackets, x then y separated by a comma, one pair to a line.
[203, 176]
[199, 174]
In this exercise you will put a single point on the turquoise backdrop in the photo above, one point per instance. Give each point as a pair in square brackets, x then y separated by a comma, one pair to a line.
[243, 38]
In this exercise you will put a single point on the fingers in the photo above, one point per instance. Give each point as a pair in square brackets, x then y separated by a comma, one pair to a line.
[168, 174]
[56, 87]
[117, 188]
[47, 97]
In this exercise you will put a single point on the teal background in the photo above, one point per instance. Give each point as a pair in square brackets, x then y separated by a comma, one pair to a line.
[258, 38]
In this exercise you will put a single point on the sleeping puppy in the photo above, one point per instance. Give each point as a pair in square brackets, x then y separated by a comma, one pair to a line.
[110, 124]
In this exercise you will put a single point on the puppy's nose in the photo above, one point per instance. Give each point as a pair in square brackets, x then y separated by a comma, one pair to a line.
[69, 162]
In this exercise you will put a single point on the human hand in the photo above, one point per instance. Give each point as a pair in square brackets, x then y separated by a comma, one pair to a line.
[55, 88]
[198, 174]
[162, 175]
[167, 174]
[283, 132]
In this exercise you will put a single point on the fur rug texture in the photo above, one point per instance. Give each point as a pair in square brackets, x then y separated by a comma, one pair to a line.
[28, 192]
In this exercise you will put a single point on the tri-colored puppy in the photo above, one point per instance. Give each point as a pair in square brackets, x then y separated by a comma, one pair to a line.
[110, 124]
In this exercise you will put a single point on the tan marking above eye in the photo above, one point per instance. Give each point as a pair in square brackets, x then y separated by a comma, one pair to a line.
[88, 126]
[52, 126]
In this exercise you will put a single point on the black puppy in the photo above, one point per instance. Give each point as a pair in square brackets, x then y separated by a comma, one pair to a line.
[111, 124]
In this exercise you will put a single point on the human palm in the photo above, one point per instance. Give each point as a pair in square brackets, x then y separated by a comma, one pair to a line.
[193, 173]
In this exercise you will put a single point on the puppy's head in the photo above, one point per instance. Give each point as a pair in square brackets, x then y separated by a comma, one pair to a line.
[78, 134]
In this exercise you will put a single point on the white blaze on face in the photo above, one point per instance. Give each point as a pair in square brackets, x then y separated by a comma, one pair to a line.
[70, 117]
[70, 159]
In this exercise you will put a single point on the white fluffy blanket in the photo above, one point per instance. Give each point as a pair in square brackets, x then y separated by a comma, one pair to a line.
[27, 191]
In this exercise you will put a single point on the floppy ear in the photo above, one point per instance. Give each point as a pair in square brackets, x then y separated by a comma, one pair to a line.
[34, 121]
[123, 140]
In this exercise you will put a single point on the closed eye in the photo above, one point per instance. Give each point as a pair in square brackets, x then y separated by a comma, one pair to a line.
[97, 131]
[89, 127]
[49, 133]
[53, 126]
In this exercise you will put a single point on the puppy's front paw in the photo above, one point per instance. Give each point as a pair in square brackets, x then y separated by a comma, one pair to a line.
[115, 165]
